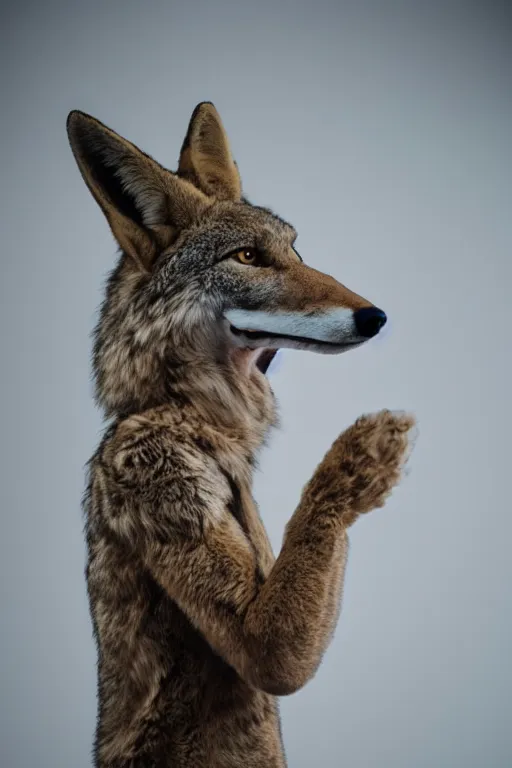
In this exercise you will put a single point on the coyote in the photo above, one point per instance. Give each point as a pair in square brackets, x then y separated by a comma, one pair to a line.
[198, 627]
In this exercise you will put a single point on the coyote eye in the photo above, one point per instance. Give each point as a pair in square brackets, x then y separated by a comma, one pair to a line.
[247, 256]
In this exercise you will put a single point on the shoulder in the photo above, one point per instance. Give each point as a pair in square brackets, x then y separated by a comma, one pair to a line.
[142, 449]
[159, 468]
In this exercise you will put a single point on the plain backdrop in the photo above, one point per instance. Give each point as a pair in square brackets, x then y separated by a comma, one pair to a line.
[383, 133]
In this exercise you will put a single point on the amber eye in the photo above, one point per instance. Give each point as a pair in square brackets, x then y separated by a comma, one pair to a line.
[247, 256]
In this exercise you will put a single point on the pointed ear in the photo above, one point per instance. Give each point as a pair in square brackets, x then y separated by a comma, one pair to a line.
[206, 158]
[145, 205]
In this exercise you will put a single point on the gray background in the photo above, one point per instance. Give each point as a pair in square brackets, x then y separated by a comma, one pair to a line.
[383, 134]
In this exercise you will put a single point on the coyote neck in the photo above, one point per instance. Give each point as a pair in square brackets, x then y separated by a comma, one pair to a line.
[230, 400]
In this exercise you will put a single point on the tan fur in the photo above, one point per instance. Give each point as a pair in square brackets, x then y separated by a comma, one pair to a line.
[206, 156]
[311, 289]
[199, 627]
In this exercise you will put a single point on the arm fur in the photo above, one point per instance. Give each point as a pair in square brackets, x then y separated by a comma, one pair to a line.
[175, 512]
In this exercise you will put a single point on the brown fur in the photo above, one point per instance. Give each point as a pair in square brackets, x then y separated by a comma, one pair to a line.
[199, 628]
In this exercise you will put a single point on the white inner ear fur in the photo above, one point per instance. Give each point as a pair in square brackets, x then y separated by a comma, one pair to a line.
[148, 194]
[335, 326]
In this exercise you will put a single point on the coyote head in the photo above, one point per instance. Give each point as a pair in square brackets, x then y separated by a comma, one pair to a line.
[204, 278]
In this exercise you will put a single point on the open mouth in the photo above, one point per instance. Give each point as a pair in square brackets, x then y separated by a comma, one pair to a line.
[265, 358]
[277, 340]
[260, 335]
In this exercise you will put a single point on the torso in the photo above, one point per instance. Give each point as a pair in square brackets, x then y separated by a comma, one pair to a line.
[165, 697]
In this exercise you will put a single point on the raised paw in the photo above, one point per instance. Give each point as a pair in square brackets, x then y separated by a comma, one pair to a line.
[365, 463]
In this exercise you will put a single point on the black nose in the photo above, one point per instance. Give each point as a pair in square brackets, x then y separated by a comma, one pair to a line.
[369, 321]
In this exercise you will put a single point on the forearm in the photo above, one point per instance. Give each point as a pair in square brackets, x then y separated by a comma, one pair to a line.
[274, 632]
[293, 612]
[335, 594]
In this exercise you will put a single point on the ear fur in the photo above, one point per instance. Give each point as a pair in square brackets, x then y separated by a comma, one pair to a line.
[206, 158]
[145, 204]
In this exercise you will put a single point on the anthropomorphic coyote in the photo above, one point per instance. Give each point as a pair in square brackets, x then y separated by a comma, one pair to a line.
[198, 627]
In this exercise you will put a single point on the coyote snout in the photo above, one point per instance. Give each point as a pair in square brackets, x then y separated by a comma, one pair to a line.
[302, 308]
[330, 332]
